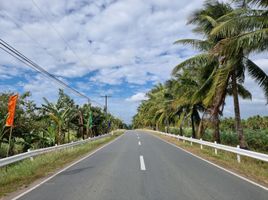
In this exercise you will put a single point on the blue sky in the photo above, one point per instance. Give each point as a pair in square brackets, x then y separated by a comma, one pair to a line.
[116, 47]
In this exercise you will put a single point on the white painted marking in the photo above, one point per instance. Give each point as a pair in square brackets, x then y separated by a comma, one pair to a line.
[226, 170]
[39, 184]
[142, 163]
[140, 143]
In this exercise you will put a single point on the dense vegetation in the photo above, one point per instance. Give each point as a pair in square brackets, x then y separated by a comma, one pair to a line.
[51, 123]
[255, 131]
[195, 95]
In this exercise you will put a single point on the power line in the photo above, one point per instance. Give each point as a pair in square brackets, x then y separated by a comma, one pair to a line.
[57, 32]
[5, 14]
[38, 44]
[35, 41]
[19, 56]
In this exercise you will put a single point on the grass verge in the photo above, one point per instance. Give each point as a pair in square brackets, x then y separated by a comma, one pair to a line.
[21, 174]
[252, 169]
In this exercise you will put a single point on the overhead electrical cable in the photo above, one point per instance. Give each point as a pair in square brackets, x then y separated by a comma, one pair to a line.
[19, 56]
[58, 33]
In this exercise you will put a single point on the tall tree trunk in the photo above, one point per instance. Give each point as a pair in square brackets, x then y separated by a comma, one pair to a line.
[238, 125]
[81, 124]
[193, 126]
[216, 124]
[68, 134]
[58, 135]
[200, 129]
[181, 131]
[167, 125]
[181, 126]
[215, 110]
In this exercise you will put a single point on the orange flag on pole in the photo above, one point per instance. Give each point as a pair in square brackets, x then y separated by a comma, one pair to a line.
[11, 109]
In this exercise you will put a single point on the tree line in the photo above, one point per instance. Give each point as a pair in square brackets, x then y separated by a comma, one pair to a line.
[197, 91]
[51, 123]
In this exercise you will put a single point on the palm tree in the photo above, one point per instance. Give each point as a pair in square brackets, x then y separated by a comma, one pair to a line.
[230, 67]
[244, 30]
[205, 21]
[185, 86]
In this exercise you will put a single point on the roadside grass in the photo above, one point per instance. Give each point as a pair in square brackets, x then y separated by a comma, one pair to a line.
[20, 175]
[252, 169]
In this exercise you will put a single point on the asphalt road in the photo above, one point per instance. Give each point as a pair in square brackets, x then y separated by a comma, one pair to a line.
[139, 166]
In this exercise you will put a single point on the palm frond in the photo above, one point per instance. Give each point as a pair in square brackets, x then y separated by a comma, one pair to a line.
[201, 45]
[252, 41]
[258, 75]
[198, 60]
[243, 92]
[262, 3]
[218, 86]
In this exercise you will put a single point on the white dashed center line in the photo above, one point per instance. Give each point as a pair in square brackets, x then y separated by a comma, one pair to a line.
[139, 142]
[142, 163]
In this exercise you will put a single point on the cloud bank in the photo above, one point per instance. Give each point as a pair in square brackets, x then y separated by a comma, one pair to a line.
[120, 47]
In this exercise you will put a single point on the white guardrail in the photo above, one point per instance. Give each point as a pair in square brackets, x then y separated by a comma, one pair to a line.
[235, 150]
[31, 153]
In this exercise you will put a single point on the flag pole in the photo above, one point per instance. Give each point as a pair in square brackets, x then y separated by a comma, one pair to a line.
[9, 139]
[9, 142]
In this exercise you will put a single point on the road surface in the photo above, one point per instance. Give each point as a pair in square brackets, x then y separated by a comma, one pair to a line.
[139, 166]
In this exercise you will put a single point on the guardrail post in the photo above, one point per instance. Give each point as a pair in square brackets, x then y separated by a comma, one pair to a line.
[31, 158]
[216, 150]
[183, 139]
[238, 156]
[72, 143]
[191, 142]
[201, 145]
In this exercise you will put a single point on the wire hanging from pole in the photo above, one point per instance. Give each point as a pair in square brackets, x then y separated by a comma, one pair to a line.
[19, 56]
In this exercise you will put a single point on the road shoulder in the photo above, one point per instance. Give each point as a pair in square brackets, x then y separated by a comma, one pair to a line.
[26, 188]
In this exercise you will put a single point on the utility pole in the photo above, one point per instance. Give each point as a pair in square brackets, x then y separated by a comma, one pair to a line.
[106, 111]
[106, 103]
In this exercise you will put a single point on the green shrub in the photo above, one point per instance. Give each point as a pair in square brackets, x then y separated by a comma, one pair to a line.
[257, 140]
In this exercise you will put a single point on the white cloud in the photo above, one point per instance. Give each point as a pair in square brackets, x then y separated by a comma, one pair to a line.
[135, 28]
[122, 41]
[137, 97]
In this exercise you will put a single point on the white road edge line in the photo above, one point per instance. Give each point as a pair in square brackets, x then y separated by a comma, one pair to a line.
[226, 170]
[142, 164]
[139, 143]
[39, 184]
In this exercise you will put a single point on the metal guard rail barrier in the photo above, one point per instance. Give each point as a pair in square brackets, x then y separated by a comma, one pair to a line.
[32, 153]
[236, 150]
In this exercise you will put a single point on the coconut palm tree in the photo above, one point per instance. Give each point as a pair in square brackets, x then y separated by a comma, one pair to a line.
[230, 67]
[243, 31]
[205, 21]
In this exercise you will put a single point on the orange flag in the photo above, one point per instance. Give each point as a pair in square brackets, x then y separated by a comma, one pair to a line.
[11, 109]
